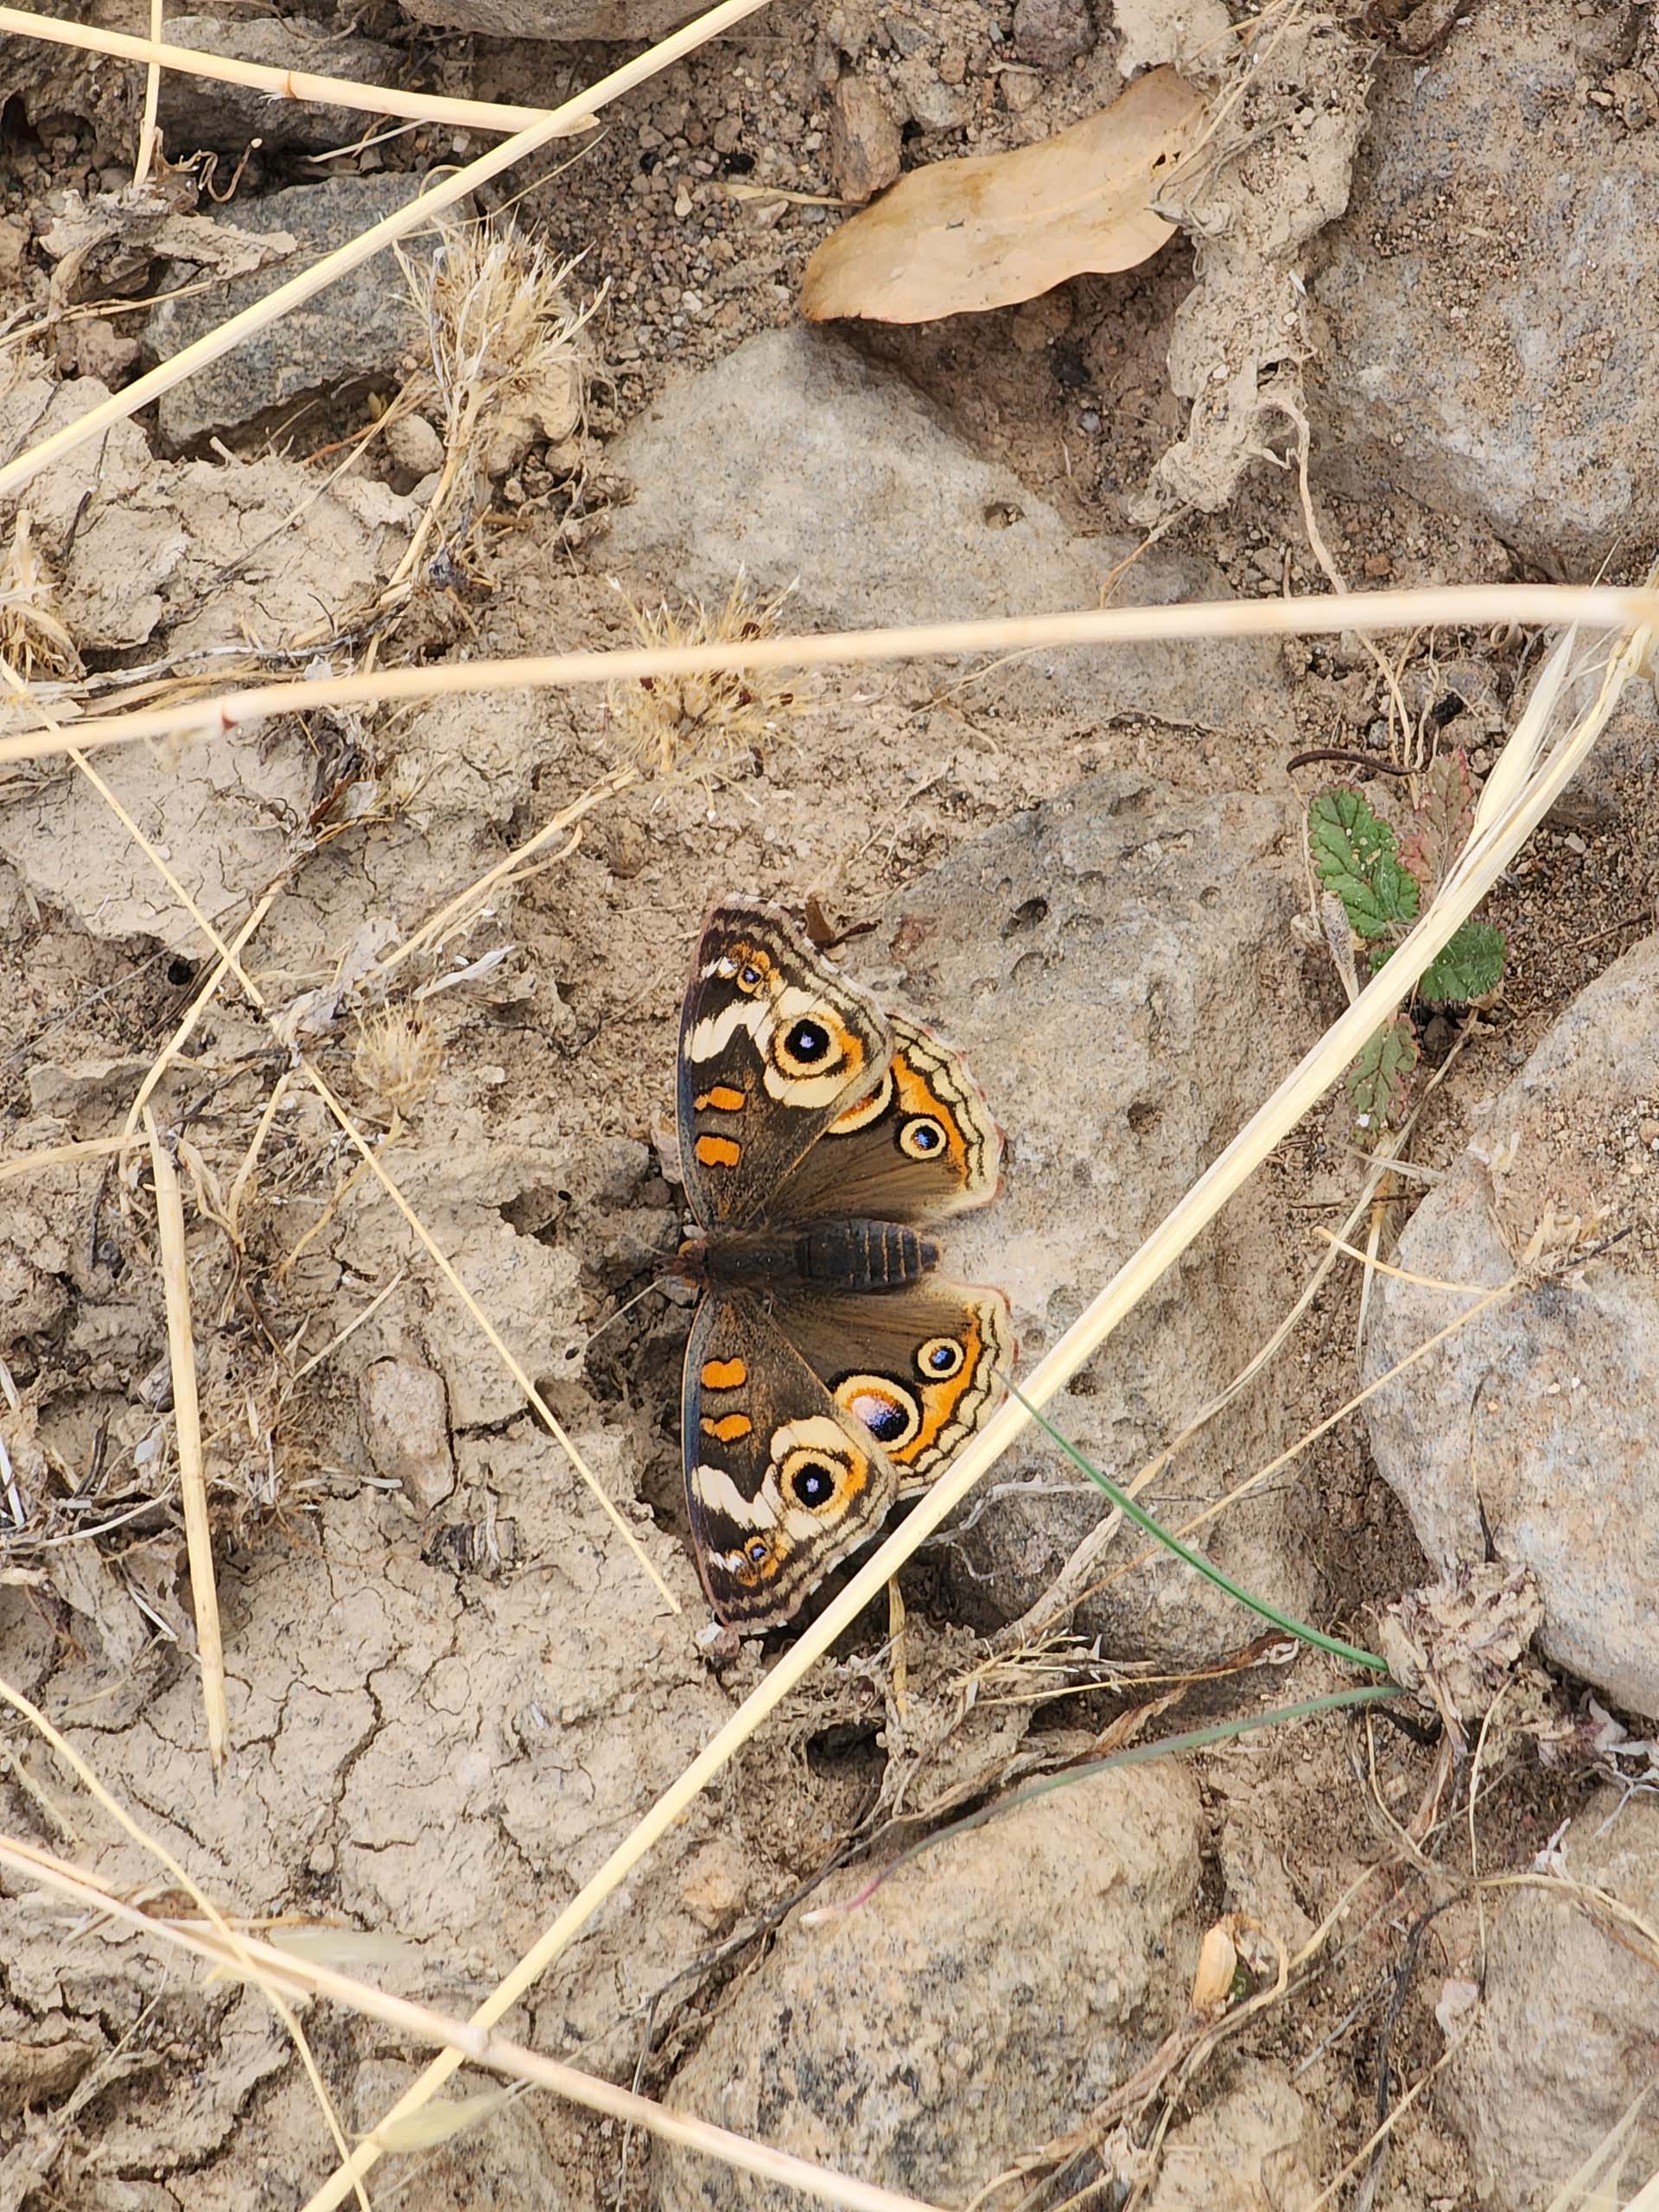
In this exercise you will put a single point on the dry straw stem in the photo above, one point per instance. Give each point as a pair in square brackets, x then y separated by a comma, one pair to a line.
[148, 137]
[186, 1415]
[556, 123]
[1488, 853]
[204, 998]
[298, 85]
[297, 1978]
[1589, 606]
[64, 1155]
[461, 908]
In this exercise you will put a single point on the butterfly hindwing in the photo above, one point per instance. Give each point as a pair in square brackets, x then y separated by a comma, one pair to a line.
[774, 1045]
[780, 1482]
[919, 1146]
[916, 1366]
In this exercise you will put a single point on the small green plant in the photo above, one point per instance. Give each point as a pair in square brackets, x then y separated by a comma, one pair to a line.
[1384, 880]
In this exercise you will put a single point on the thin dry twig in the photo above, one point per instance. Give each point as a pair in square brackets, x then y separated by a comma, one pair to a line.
[64, 1155]
[298, 85]
[431, 933]
[149, 138]
[186, 1415]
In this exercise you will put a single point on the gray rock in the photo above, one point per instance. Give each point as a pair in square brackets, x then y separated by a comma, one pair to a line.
[924, 2039]
[1621, 773]
[552, 19]
[358, 328]
[1531, 1430]
[796, 458]
[1051, 33]
[406, 1414]
[1484, 358]
[864, 140]
[1564, 2038]
[197, 111]
[1110, 963]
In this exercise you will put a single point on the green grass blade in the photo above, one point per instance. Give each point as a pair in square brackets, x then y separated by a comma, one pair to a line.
[1142, 1519]
[1191, 1740]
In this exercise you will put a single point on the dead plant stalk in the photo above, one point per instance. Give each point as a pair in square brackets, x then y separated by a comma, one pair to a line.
[1589, 606]
[187, 1416]
[297, 85]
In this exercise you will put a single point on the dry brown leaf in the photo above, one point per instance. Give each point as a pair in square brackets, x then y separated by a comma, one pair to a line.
[960, 236]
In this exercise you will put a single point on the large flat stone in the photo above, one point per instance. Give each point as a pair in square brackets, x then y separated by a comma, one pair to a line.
[796, 459]
[1487, 350]
[1529, 1434]
[356, 329]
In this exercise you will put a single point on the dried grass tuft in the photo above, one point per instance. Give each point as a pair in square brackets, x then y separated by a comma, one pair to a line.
[707, 721]
[502, 331]
[398, 1059]
[33, 641]
[505, 368]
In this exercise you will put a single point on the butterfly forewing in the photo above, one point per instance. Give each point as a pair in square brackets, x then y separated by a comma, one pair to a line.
[780, 1482]
[774, 1045]
[920, 1145]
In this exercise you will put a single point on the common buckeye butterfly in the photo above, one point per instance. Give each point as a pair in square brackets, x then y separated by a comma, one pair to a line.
[828, 1368]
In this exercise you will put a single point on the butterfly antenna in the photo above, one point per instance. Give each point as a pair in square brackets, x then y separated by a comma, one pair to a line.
[626, 1306]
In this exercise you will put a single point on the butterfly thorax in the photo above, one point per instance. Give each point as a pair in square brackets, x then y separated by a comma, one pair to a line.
[845, 1255]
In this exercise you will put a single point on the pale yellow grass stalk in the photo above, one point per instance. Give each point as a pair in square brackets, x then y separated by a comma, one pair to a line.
[64, 1155]
[431, 933]
[198, 1006]
[1484, 860]
[1591, 607]
[299, 85]
[294, 1977]
[148, 135]
[456, 186]
[187, 1420]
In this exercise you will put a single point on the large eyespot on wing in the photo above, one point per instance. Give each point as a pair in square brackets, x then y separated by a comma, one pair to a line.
[814, 1056]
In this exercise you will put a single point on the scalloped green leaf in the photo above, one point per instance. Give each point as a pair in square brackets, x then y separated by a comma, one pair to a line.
[1380, 1082]
[1356, 854]
[1468, 967]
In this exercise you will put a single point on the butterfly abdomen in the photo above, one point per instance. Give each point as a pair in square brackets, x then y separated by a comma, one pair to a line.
[865, 1255]
[834, 1255]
